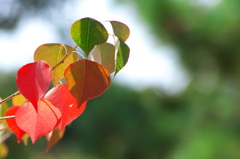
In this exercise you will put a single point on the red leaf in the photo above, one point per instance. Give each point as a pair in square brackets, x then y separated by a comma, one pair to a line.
[61, 98]
[40, 123]
[33, 81]
[86, 79]
[12, 123]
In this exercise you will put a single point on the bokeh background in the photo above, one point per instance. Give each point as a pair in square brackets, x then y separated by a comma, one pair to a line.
[177, 98]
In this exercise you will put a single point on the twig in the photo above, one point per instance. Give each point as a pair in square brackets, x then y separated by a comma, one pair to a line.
[7, 117]
[10, 97]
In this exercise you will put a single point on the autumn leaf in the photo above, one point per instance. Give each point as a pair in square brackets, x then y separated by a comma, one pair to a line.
[12, 123]
[52, 54]
[54, 137]
[18, 100]
[87, 33]
[37, 123]
[61, 98]
[104, 54]
[33, 80]
[120, 30]
[86, 80]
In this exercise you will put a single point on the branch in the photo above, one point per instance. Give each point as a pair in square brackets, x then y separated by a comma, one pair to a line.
[7, 117]
[10, 97]
[60, 62]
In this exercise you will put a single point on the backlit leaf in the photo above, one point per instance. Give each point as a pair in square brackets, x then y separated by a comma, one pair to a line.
[54, 137]
[61, 98]
[53, 54]
[18, 100]
[3, 108]
[87, 33]
[122, 56]
[12, 123]
[86, 80]
[104, 54]
[120, 30]
[33, 80]
[3, 150]
[40, 123]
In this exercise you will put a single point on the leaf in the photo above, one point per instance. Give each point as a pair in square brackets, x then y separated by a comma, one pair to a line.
[12, 123]
[86, 80]
[3, 108]
[120, 30]
[61, 98]
[54, 137]
[40, 123]
[104, 54]
[122, 56]
[53, 54]
[87, 33]
[18, 100]
[33, 80]
[3, 150]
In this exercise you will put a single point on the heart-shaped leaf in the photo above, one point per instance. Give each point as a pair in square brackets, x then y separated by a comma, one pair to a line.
[52, 54]
[120, 30]
[37, 123]
[61, 98]
[104, 54]
[122, 56]
[54, 137]
[86, 80]
[87, 33]
[33, 80]
[12, 123]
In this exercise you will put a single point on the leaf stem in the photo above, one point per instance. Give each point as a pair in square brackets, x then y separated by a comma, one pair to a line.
[7, 117]
[60, 62]
[9, 97]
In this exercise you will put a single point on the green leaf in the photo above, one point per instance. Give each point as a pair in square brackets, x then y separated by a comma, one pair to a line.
[53, 54]
[120, 30]
[122, 56]
[87, 33]
[104, 54]
[3, 108]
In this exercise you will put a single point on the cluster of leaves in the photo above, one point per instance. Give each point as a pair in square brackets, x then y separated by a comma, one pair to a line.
[76, 77]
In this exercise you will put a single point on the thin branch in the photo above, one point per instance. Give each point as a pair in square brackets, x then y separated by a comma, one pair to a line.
[7, 117]
[10, 97]
[62, 61]
[5, 128]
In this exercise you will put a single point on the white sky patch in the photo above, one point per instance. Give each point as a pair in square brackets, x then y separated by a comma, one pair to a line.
[149, 65]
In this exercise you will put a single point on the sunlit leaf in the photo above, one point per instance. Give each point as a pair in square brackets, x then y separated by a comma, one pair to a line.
[25, 139]
[120, 30]
[3, 150]
[3, 108]
[12, 123]
[40, 123]
[104, 54]
[122, 56]
[33, 80]
[86, 80]
[18, 100]
[54, 137]
[53, 54]
[87, 33]
[61, 98]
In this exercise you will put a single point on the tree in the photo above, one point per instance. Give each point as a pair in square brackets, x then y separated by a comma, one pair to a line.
[37, 111]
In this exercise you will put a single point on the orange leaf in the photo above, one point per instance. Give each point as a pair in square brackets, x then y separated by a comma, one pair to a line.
[54, 137]
[86, 80]
[52, 54]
